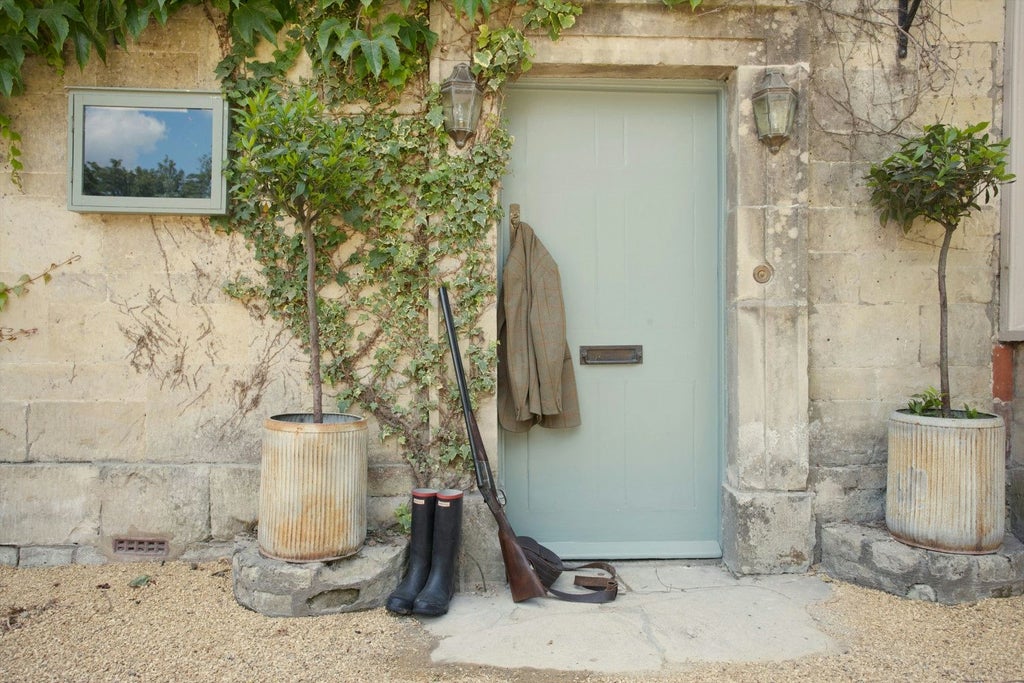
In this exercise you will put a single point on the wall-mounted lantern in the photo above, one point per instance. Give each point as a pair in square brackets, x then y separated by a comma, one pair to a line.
[461, 99]
[774, 110]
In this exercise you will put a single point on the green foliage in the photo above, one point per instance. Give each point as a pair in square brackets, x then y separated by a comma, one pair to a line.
[927, 402]
[21, 288]
[45, 28]
[470, 8]
[419, 217]
[500, 55]
[939, 175]
[52, 28]
[13, 148]
[295, 173]
[403, 517]
[391, 214]
[694, 4]
[356, 44]
[553, 16]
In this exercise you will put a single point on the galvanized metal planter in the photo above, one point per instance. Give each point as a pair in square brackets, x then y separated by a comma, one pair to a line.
[946, 486]
[312, 505]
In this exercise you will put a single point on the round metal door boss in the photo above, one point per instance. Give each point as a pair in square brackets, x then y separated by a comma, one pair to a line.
[763, 273]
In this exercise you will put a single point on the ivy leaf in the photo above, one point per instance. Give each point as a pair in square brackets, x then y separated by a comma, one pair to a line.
[435, 116]
[377, 258]
[373, 55]
[256, 17]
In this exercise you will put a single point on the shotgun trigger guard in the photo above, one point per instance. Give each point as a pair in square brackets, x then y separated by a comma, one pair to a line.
[500, 496]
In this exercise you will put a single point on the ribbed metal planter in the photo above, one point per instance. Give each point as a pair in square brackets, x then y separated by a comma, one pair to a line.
[312, 505]
[946, 486]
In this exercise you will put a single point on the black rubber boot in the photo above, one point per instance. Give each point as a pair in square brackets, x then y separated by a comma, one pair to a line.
[420, 544]
[433, 600]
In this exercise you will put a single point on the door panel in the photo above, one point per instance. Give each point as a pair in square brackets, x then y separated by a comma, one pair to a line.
[623, 188]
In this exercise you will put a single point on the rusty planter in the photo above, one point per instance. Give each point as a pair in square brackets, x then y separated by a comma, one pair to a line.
[946, 482]
[312, 505]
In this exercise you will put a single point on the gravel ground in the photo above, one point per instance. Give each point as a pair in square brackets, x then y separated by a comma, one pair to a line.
[181, 623]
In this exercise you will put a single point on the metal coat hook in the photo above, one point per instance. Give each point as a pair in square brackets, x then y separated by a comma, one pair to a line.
[513, 218]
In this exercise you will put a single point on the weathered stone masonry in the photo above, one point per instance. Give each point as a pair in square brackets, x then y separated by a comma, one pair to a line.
[136, 408]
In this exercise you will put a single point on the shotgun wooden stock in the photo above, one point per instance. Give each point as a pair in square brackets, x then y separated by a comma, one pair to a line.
[523, 581]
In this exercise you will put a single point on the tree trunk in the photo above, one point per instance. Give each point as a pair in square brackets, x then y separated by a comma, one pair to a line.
[314, 324]
[944, 325]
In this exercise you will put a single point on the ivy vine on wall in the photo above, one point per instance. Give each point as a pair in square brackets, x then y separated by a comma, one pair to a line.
[424, 217]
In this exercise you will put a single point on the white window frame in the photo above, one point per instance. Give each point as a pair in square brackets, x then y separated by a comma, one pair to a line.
[1011, 281]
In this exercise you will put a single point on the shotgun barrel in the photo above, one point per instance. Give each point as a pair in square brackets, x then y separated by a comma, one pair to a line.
[522, 578]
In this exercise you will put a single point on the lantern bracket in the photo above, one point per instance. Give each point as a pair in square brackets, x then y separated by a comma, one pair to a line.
[905, 15]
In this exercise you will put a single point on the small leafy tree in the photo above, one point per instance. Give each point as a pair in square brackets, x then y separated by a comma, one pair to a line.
[296, 173]
[940, 175]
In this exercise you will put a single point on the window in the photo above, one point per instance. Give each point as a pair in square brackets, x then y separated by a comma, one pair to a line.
[146, 151]
[1011, 281]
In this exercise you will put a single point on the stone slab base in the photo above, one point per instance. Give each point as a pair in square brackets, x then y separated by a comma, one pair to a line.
[303, 589]
[869, 556]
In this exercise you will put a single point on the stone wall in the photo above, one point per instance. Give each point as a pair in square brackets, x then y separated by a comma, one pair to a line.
[136, 408]
[873, 292]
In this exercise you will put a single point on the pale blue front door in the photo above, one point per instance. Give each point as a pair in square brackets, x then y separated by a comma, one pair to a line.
[622, 184]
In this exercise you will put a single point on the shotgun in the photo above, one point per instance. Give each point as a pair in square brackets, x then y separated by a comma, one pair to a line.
[522, 578]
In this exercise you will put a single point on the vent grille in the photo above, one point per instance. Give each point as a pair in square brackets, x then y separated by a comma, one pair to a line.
[140, 547]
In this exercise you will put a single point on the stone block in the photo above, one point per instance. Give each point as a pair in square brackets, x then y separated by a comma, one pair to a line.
[767, 532]
[892, 557]
[854, 493]
[234, 499]
[8, 555]
[68, 381]
[845, 433]
[86, 430]
[852, 230]
[897, 277]
[283, 589]
[837, 335]
[748, 249]
[170, 502]
[13, 431]
[834, 277]
[46, 555]
[89, 554]
[44, 504]
[380, 510]
[218, 429]
[785, 235]
[837, 184]
[208, 552]
[1015, 500]
[867, 555]
[88, 333]
[770, 442]
[973, 21]
[480, 563]
[970, 335]
[388, 479]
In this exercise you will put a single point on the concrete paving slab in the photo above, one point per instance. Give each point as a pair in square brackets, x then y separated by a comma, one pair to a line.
[667, 614]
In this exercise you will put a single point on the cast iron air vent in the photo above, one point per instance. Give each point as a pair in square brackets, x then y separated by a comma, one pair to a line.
[140, 547]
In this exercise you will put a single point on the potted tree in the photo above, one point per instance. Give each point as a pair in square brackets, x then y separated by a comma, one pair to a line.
[295, 173]
[946, 471]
